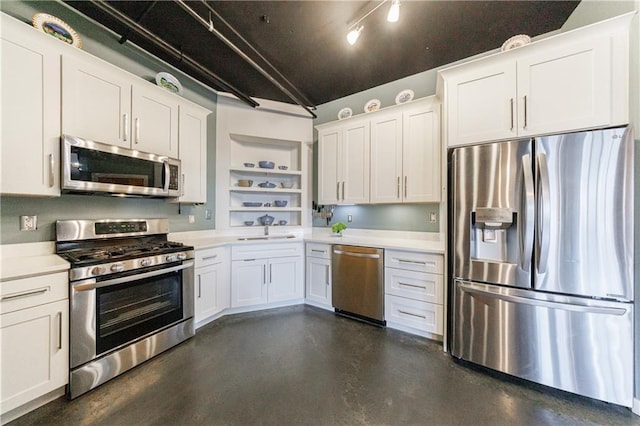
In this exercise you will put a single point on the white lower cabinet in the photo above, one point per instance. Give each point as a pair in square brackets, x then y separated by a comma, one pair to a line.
[318, 275]
[266, 273]
[34, 338]
[212, 287]
[414, 292]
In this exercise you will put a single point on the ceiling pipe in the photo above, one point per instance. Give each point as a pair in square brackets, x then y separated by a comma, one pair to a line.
[265, 19]
[144, 13]
[244, 56]
[149, 36]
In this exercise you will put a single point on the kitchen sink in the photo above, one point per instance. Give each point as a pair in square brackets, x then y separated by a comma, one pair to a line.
[266, 237]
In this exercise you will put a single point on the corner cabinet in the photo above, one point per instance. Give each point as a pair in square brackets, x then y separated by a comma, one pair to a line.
[572, 81]
[192, 152]
[212, 287]
[387, 156]
[30, 110]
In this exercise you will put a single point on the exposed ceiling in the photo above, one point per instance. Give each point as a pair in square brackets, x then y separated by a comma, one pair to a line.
[306, 40]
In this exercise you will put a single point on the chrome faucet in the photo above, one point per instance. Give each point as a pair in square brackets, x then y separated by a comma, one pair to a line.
[266, 230]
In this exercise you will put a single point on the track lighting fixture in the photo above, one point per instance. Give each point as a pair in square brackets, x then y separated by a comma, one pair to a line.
[356, 28]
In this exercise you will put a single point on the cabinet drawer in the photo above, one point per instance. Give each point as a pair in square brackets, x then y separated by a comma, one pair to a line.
[413, 261]
[263, 251]
[414, 285]
[210, 256]
[422, 316]
[33, 291]
[322, 251]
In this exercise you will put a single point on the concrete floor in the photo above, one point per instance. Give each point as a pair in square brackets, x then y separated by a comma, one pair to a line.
[304, 366]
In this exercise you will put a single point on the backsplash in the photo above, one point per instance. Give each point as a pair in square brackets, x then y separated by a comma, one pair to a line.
[393, 217]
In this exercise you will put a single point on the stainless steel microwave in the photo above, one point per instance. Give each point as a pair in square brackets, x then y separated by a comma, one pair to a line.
[92, 167]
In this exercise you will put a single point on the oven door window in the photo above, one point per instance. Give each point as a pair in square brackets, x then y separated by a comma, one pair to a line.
[128, 311]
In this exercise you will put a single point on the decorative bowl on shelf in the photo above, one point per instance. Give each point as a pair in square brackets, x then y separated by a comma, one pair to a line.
[248, 222]
[287, 185]
[245, 183]
[267, 184]
[252, 204]
[249, 164]
[266, 219]
[280, 203]
[283, 167]
[266, 164]
[283, 222]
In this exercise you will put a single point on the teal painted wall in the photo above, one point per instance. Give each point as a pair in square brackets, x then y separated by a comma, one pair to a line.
[104, 44]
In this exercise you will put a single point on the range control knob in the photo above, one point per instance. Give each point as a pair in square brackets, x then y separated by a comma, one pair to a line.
[182, 256]
[145, 262]
[171, 258]
[117, 267]
[98, 270]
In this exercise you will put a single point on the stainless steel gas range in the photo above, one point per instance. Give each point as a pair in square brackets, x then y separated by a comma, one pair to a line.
[131, 295]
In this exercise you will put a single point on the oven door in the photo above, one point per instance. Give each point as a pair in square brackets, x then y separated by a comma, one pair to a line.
[107, 315]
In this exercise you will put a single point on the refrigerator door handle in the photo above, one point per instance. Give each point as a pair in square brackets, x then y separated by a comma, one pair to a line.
[527, 227]
[481, 291]
[544, 215]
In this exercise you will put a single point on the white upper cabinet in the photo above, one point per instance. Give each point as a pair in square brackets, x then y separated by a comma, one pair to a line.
[192, 137]
[572, 81]
[30, 105]
[343, 161]
[105, 104]
[386, 157]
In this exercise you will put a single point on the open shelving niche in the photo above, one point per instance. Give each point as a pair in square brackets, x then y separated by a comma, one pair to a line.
[252, 149]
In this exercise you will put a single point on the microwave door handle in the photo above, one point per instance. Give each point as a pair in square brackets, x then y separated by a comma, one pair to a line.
[167, 176]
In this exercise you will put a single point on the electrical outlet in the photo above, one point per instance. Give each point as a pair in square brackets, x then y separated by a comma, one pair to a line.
[207, 214]
[349, 218]
[433, 217]
[28, 223]
[192, 219]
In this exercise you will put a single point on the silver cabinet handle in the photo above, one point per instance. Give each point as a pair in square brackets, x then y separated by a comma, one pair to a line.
[342, 190]
[405, 187]
[525, 112]
[543, 214]
[412, 285]
[398, 188]
[318, 251]
[125, 127]
[25, 294]
[59, 330]
[270, 273]
[328, 275]
[137, 135]
[416, 262]
[338, 191]
[199, 286]
[511, 100]
[52, 167]
[210, 257]
[526, 238]
[412, 314]
[350, 253]
[264, 274]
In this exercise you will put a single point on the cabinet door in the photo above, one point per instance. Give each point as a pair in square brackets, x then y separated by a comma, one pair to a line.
[567, 88]
[329, 161]
[155, 120]
[212, 291]
[386, 158]
[192, 152]
[481, 103]
[318, 282]
[421, 154]
[248, 282]
[286, 279]
[35, 353]
[30, 105]
[354, 176]
[96, 101]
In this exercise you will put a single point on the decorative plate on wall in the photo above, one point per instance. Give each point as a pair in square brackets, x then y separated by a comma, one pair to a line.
[404, 96]
[169, 82]
[372, 105]
[516, 41]
[344, 113]
[57, 28]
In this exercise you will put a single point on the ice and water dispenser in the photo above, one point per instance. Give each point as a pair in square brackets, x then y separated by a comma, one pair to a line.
[493, 235]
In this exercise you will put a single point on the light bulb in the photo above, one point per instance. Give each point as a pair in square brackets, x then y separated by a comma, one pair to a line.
[354, 34]
[394, 11]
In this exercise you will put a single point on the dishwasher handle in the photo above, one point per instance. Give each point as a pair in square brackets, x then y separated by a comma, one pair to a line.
[350, 253]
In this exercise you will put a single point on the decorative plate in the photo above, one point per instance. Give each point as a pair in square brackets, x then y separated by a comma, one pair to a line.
[344, 113]
[404, 96]
[57, 28]
[169, 82]
[516, 41]
[372, 105]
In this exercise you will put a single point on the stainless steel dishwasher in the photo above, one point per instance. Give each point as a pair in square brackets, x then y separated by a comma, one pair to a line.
[357, 282]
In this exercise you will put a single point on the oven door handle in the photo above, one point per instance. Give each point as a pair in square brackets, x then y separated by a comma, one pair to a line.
[92, 283]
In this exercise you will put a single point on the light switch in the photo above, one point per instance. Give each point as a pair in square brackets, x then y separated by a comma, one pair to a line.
[192, 219]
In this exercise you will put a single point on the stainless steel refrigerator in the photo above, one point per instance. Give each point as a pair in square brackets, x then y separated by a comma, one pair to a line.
[542, 260]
